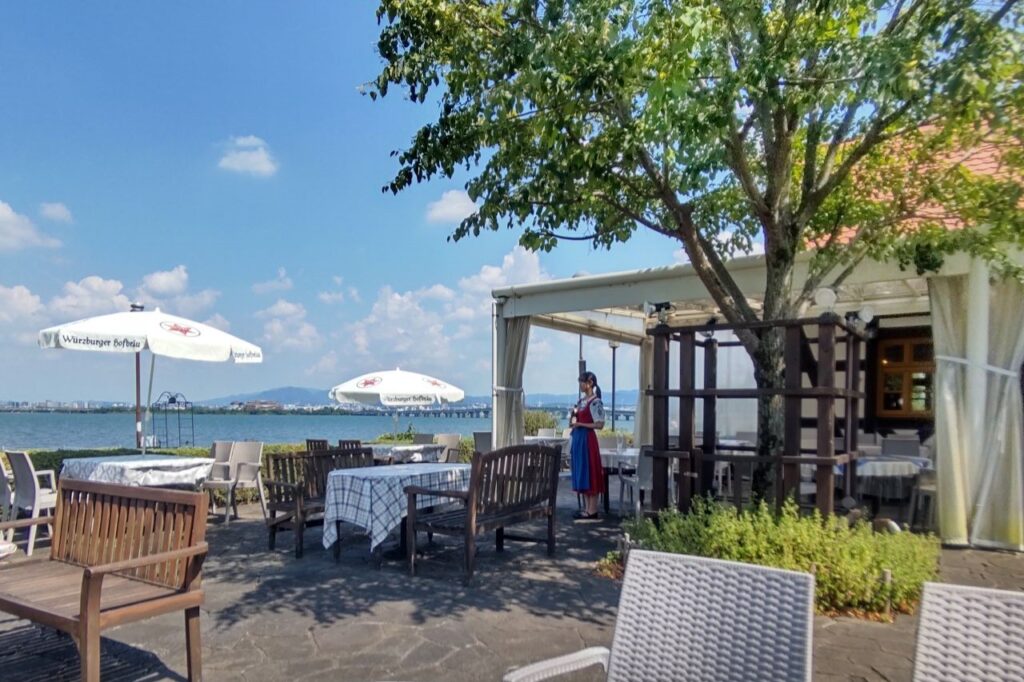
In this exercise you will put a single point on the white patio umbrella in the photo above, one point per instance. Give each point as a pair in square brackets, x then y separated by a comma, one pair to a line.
[395, 388]
[153, 330]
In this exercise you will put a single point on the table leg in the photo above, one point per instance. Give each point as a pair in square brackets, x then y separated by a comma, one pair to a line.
[606, 495]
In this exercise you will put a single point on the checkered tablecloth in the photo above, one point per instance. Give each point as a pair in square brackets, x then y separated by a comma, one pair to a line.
[140, 470]
[374, 497]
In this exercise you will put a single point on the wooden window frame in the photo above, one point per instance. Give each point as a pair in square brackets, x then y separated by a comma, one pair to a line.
[906, 368]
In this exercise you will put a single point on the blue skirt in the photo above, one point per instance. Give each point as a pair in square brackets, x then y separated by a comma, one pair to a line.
[579, 459]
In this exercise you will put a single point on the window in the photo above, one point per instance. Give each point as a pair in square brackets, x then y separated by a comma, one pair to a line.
[905, 371]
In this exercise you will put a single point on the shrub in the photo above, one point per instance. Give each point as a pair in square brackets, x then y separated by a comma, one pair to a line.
[538, 419]
[627, 436]
[399, 437]
[848, 561]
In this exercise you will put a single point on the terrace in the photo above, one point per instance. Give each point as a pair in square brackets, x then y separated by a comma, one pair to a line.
[269, 616]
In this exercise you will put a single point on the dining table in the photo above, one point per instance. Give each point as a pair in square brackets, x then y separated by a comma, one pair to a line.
[401, 454]
[151, 470]
[374, 499]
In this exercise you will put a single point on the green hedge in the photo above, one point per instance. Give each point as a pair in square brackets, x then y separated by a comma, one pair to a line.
[848, 561]
[538, 419]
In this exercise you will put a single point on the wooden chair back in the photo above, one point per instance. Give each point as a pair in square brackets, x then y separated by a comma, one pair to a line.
[314, 444]
[349, 444]
[309, 470]
[98, 523]
[516, 477]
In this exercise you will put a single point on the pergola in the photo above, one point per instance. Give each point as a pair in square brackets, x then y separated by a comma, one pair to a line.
[978, 331]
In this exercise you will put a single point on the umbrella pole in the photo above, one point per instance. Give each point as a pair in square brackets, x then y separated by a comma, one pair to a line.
[149, 395]
[138, 402]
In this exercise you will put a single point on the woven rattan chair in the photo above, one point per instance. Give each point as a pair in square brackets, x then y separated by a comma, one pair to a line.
[969, 633]
[688, 618]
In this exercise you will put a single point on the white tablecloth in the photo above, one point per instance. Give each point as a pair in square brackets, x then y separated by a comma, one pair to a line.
[629, 457]
[374, 497]
[548, 440]
[408, 453]
[156, 471]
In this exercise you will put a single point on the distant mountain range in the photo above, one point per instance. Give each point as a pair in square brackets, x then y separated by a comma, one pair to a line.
[296, 395]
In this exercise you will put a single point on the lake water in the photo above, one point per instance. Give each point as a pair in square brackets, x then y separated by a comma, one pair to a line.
[52, 430]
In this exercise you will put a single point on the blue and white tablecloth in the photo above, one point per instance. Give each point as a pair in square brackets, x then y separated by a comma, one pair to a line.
[374, 497]
[156, 471]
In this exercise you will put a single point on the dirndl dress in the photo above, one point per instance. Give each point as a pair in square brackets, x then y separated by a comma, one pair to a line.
[585, 454]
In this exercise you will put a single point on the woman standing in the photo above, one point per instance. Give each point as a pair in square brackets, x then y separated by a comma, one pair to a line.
[586, 420]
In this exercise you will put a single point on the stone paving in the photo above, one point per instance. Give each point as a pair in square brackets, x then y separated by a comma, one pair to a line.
[271, 617]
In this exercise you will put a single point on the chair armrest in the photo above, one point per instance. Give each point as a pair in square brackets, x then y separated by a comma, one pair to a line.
[560, 665]
[253, 469]
[48, 473]
[25, 523]
[418, 490]
[199, 549]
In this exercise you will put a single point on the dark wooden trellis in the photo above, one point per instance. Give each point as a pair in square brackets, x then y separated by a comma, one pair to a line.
[696, 465]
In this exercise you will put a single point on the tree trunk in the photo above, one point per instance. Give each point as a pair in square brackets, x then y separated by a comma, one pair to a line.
[769, 368]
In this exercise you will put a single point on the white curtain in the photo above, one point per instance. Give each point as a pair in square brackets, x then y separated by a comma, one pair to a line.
[508, 398]
[980, 480]
[643, 427]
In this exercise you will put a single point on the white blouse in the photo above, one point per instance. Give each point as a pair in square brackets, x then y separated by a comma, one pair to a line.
[596, 408]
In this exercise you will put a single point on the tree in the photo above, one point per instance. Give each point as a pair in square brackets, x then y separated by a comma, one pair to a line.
[832, 124]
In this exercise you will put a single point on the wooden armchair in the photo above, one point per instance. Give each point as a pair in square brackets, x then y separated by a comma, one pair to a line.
[119, 554]
[506, 486]
[296, 489]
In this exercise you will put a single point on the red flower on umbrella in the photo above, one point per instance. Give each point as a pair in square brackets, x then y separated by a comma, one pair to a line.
[180, 329]
[368, 382]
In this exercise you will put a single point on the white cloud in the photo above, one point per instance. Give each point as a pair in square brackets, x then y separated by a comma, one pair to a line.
[437, 292]
[280, 283]
[18, 232]
[18, 302]
[218, 321]
[680, 256]
[326, 365]
[89, 296]
[453, 206]
[286, 326]
[331, 297]
[283, 308]
[167, 282]
[353, 294]
[192, 304]
[249, 155]
[56, 212]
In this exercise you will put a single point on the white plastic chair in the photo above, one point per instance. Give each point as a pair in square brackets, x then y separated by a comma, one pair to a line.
[545, 433]
[220, 451]
[29, 494]
[242, 472]
[738, 621]
[6, 499]
[641, 479]
[482, 441]
[451, 442]
[969, 633]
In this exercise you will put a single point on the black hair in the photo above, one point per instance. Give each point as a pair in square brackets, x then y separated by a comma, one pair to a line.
[590, 377]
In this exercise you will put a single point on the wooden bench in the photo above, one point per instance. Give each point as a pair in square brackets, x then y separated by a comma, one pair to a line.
[506, 486]
[119, 554]
[296, 488]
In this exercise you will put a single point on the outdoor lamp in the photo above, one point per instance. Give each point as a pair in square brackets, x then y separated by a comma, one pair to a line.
[866, 314]
[710, 333]
[662, 310]
[825, 297]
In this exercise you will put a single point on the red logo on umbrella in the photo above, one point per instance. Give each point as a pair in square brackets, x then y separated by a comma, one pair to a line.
[368, 382]
[180, 329]
[434, 382]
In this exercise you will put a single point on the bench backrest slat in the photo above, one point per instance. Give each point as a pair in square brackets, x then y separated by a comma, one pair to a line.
[98, 523]
[516, 477]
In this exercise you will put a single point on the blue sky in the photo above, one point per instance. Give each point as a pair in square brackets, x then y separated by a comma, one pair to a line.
[217, 160]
